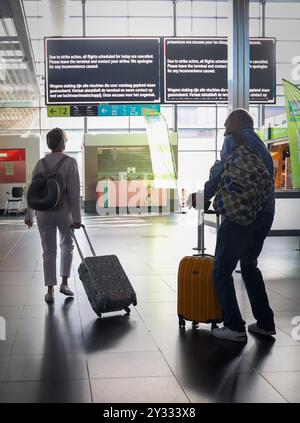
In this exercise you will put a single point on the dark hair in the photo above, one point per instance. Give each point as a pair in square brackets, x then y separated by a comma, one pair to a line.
[55, 139]
[237, 120]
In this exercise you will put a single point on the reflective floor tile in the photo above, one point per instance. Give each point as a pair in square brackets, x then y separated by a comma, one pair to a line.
[63, 342]
[3, 365]
[6, 346]
[13, 300]
[46, 367]
[161, 323]
[287, 383]
[68, 308]
[139, 390]
[43, 325]
[11, 312]
[157, 308]
[120, 341]
[12, 290]
[15, 278]
[186, 340]
[12, 326]
[114, 323]
[285, 318]
[283, 359]
[73, 391]
[208, 364]
[156, 296]
[281, 339]
[127, 364]
[232, 388]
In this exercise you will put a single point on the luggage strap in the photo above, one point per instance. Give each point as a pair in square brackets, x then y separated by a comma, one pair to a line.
[77, 244]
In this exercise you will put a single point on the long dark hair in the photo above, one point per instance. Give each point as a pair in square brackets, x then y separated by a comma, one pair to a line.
[238, 119]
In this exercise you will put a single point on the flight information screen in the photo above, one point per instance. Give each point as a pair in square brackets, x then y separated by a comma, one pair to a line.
[196, 70]
[87, 70]
[262, 70]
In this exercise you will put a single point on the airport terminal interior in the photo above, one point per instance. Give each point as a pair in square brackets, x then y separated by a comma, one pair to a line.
[144, 138]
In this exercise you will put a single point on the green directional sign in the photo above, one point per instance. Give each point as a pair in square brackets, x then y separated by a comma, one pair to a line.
[126, 110]
[59, 111]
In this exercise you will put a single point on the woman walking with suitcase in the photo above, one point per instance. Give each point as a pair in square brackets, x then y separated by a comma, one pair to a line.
[63, 216]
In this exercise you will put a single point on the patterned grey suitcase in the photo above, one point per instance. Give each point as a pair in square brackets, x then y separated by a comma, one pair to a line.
[105, 282]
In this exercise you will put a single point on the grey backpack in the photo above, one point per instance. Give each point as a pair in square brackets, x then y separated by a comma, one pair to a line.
[46, 189]
[244, 187]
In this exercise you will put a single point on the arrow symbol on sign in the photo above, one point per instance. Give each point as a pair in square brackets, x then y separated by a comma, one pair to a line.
[103, 110]
[52, 111]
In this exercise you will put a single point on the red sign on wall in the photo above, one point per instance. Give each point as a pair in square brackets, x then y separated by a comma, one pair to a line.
[12, 166]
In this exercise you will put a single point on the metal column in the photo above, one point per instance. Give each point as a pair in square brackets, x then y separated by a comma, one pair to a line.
[263, 33]
[238, 55]
[175, 125]
[85, 127]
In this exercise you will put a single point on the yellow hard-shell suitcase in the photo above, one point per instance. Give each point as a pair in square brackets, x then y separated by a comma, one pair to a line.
[197, 299]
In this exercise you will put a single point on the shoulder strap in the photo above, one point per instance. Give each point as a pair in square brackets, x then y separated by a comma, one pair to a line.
[45, 165]
[241, 141]
[60, 163]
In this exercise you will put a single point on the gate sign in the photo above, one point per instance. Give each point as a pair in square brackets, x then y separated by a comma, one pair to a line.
[58, 111]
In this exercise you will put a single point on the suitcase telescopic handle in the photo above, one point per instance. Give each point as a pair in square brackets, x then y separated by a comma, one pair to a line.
[77, 244]
[201, 223]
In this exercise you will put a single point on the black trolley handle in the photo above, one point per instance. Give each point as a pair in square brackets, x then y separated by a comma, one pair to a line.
[77, 244]
[200, 246]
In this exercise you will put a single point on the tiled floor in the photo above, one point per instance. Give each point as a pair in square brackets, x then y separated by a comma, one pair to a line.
[63, 353]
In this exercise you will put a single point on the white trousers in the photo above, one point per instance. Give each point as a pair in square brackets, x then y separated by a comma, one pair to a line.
[48, 222]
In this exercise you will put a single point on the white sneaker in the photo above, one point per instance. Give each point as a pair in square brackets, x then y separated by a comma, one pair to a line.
[253, 328]
[66, 290]
[230, 335]
[49, 298]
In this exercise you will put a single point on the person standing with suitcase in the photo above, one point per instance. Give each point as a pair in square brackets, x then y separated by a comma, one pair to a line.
[242, 241]
[55, 194]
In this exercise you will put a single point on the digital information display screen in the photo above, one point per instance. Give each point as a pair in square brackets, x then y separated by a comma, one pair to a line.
[195, 70]
[98, 70]
[262, 70]
[102, 70]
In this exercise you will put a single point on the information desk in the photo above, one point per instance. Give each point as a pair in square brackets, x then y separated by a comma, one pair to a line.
[287, 213]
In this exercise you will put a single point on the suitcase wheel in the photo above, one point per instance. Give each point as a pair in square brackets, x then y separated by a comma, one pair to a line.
[181, 321]
[195, 324]
[214, 325]
[127, 309]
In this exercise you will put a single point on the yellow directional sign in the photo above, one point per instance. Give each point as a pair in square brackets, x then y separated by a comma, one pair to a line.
[59, 111]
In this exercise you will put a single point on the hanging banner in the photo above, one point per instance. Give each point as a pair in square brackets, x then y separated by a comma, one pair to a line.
[162, 159]
[292, 103]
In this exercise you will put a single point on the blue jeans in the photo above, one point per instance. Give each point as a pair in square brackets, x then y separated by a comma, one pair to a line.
[236, 242]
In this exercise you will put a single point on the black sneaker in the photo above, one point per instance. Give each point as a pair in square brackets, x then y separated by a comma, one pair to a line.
[253, 328]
